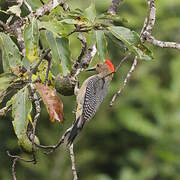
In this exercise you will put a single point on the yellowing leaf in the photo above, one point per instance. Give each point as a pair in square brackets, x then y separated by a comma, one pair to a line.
[31, 40]
[52, 102]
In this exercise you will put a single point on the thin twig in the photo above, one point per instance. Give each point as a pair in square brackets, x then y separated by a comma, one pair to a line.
[127, 77]
[35, 68]
[125, 81]
[54, 147]
[81, 30]
[148, 24]
[13, 168]
[38, 111]
[18, 157]
[71, 151]
[119, 65]
[61, 141]
[15, 159]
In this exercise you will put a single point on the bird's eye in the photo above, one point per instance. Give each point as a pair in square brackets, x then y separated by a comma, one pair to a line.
[98, 65]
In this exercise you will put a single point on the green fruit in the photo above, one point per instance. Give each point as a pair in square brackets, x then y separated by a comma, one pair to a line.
[64, 85]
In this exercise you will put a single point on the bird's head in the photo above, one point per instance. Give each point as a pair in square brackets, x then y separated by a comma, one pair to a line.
[106, 68]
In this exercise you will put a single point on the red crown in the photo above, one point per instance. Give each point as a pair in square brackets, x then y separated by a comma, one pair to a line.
[109, 63]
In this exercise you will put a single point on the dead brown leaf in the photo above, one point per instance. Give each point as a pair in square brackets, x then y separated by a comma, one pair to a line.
[52, 102]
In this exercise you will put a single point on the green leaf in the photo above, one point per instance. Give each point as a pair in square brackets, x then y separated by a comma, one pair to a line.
[101, 45]
[31, 40]
[11, 58]
[60, 52]
[54, 26]
[125, 35]
[21, 108]
[90, 12]
[132, 40]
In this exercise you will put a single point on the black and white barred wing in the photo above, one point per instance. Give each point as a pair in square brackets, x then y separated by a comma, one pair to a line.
[93, 97]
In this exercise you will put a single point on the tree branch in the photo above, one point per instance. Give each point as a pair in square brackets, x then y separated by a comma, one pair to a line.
[16, 27]
[151, 16]
[161, 44]
[145, 35]
[149, 24]
[84, 62]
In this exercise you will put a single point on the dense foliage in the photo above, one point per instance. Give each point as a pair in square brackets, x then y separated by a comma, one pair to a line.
[138, 138]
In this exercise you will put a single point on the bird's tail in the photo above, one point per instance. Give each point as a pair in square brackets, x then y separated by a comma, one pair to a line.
[74, 132]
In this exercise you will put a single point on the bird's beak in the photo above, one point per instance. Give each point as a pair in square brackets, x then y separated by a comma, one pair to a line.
[91, 69]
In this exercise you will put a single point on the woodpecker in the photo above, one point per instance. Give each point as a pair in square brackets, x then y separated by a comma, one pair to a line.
[91, 95]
